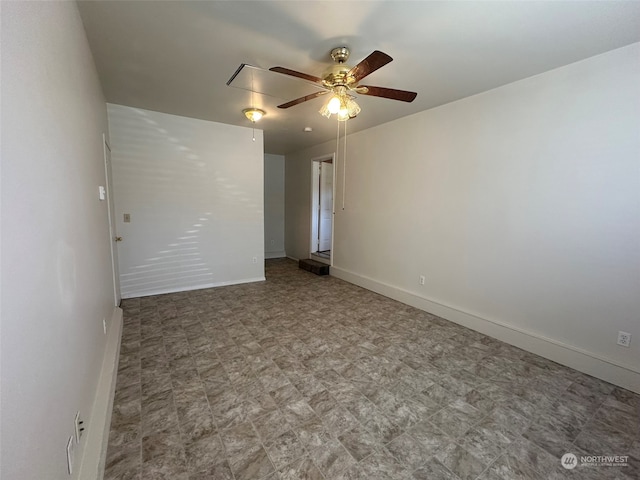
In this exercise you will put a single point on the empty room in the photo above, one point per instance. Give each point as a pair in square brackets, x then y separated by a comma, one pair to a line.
[325, 240]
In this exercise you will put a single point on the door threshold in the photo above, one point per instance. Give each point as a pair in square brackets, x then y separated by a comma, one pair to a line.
[321, 259]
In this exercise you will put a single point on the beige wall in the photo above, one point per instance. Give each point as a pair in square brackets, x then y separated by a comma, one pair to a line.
[274, 206]
[520, 206]
[56, 267]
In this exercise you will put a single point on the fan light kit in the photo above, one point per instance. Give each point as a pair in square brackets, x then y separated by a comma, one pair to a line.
[341, 104]
[254, 114]
[340, 79]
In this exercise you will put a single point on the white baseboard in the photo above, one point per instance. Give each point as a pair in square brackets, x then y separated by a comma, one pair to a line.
[281, 254]
[293, 258]
[162, 291]
[95, 450]
[579, 359]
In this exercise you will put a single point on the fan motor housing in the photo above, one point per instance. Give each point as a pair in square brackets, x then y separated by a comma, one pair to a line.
[338, 75]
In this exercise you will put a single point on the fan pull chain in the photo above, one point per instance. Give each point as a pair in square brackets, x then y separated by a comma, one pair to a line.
[337, 155]
[344, 163]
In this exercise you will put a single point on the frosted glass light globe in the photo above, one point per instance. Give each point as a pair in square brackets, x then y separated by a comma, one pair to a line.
[334, 105]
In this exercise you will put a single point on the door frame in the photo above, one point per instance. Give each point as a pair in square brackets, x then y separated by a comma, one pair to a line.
[117, 296]
[314, 214]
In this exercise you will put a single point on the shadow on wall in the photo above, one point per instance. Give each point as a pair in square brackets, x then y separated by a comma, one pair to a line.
[180, 262]
[162, 182]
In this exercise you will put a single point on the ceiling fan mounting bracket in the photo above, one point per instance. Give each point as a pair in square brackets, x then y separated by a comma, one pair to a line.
[340, 54]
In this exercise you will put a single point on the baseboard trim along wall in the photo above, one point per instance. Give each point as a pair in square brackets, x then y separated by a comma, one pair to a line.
[586, 362]
[163, 291]
[95, 452]
[280, 254]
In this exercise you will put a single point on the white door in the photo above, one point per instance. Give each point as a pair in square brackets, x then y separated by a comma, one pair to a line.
[326, 206]
[112, 225]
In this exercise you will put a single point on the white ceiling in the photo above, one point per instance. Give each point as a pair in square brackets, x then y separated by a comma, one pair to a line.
[176, 57]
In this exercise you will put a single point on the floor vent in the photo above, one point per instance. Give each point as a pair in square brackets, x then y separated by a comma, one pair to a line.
[314, 267]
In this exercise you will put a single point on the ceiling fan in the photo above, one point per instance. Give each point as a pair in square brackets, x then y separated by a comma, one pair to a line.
[340, 80]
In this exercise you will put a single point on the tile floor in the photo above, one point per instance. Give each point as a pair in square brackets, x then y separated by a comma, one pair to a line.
[307, 377]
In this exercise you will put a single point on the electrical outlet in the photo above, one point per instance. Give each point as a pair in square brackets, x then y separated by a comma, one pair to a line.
[624, 339]
[255, 259]
[422, 279]
[70, 455]
[79, 427]
[104, 325]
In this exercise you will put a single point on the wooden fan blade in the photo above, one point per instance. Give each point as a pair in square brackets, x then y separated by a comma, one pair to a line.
[302, 99]
[370, 64]
[392, 93]
[293, 73]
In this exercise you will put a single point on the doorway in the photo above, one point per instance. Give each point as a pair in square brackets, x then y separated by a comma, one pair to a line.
[322, 176]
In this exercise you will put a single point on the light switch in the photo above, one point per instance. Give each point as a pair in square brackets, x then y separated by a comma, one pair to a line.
[102, 194]
[127, 218]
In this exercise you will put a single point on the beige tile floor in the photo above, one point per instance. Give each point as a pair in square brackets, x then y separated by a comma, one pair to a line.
[307, 377]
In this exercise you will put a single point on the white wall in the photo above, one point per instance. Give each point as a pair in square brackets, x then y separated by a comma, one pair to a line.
[194, 190]
[521, 206]
[56, 270]
[274, 206]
